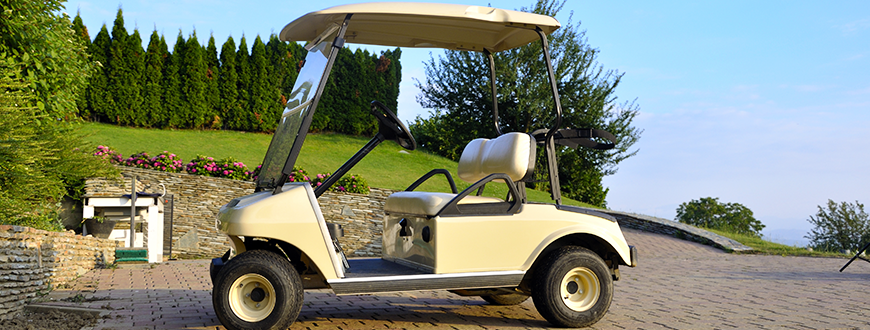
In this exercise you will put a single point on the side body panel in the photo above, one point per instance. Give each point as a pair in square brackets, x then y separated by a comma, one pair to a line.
[292, 216]
[493, 243]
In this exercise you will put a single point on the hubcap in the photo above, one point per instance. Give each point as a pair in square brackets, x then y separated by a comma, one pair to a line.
[580, 289]
[252, 297]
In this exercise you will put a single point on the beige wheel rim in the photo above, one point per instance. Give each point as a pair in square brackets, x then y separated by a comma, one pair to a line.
[580, 289]
[252, 297]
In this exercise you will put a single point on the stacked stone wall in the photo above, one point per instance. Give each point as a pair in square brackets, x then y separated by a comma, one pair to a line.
[34, 261]
[197, 200]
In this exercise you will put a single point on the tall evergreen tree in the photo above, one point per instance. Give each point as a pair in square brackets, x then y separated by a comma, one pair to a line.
[98, 94]
[82, 36]
[135, 59]
[173, 101]
[390, 68]
[263, 94]
[212, 91]
[228, 83]
[295, 56]
[194, 69]
[242, 117]
[119, 77]
[152, 83]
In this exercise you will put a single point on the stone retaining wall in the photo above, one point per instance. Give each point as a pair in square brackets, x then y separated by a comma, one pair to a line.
[197, 200]
[34, 261]
[676, 229]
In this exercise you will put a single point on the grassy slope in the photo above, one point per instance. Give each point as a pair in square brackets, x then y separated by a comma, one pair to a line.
[385, 167]
[767, 247]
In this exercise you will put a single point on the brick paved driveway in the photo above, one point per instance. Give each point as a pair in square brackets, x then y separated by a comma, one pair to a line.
[678, 285]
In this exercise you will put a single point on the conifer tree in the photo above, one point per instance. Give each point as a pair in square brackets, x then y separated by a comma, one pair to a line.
[119, 78]
[242, 117]
[194, 83]
[152, 89]
[295, 54]
[390, 67]
[228, 83]
[135, 59]
[173, 102]
[81, 33]
[212, 94]
[99, 97]
[263, 94]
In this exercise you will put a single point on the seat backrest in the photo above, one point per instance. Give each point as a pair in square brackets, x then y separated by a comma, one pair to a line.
[511, 153]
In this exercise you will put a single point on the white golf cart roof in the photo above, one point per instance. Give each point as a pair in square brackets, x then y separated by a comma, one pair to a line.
[430, 25]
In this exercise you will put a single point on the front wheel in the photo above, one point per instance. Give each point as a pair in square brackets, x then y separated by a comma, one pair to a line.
[257, 289]
[572, 288]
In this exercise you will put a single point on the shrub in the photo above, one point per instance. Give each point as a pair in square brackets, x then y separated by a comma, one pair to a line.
[349, 183]
[352, 184]
[109, 154]
[225, 168]
[708, 212]
[843, 226]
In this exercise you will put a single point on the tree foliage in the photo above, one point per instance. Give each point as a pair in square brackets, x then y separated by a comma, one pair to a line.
[843, 226]
[458, 90]
[708, 212]
[152, 88]
[43, 69]
[241, 88]
[49, 56]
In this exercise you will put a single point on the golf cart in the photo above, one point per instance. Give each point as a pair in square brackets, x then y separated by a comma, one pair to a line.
[501, 249]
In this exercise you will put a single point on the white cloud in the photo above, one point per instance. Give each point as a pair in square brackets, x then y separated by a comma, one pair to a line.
[854, 26]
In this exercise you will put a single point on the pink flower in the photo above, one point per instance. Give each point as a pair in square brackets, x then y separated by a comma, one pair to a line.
[225, 172]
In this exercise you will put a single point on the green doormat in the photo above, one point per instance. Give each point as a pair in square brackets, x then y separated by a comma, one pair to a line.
[131, 255]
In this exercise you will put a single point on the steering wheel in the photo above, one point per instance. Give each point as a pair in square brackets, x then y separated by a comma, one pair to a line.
[391, 127]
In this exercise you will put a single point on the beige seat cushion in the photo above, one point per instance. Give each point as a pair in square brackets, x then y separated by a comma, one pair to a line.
[427, 203]
[510, 153]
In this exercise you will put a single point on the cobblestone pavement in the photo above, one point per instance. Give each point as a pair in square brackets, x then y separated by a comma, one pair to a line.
[677, 285]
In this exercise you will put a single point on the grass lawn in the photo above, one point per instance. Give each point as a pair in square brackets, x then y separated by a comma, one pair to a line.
[388, 166]
[767, 247]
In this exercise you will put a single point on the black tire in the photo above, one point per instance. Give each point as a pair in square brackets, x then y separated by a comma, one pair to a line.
[572, 288]
[257, 289]
[506, 299]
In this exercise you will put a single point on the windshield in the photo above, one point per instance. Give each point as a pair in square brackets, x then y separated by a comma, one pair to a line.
[289, 127]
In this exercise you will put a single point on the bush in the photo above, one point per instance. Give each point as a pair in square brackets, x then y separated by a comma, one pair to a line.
[165, 161]
[225, 168]
[709, 213]
[109, 154]
[843, 226]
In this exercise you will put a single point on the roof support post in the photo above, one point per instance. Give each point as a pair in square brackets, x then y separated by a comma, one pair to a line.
[550, 146]
[494, 91]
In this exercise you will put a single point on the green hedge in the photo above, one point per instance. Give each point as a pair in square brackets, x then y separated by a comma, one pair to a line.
[197, 87]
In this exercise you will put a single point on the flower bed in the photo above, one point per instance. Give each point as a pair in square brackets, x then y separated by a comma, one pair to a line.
[228, 168]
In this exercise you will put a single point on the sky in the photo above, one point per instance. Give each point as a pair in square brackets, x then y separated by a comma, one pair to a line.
[762, 103]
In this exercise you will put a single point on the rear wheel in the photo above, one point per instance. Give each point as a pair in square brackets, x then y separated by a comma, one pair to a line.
[257, 289]
[506, 299]
[573, 287]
